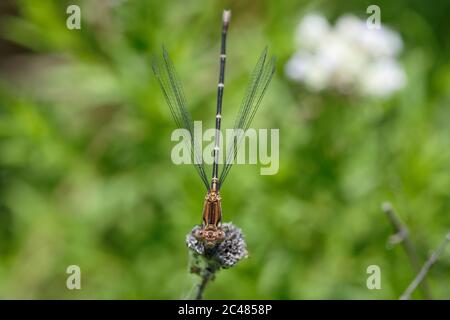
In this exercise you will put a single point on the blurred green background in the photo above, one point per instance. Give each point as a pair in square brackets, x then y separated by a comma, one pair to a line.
[86, 176]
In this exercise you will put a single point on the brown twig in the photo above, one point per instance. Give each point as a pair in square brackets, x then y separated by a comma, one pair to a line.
[426, 267]
[402, 236]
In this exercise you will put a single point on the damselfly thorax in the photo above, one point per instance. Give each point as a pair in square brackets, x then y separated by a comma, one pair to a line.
[210, 232]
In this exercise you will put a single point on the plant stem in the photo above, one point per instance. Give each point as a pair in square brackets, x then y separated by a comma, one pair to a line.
[403, 237]
[426, 267]
[207, 275]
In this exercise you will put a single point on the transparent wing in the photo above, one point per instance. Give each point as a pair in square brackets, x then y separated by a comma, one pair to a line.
[174, 95]
[259, 81]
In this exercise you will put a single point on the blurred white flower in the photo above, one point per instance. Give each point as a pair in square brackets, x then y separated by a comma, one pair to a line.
[376, 42]
[382, 78]
[311, 29]
[348, 57]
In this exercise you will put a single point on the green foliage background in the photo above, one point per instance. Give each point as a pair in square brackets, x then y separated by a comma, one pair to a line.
[86, 176]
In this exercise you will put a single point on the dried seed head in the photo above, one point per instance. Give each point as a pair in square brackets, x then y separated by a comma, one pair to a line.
[227, 253]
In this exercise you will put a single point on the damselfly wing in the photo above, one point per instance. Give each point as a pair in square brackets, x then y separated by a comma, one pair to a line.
[211, 232]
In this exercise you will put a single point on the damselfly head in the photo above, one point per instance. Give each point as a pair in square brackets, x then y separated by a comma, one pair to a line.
[210, 235]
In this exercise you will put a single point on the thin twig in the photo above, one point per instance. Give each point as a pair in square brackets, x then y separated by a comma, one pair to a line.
[426, 267]
[402, 236]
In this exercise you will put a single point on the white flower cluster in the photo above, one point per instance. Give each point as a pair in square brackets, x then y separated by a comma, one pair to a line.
[349, 57]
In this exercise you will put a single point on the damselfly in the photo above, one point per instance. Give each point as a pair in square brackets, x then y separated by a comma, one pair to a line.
[211, 232]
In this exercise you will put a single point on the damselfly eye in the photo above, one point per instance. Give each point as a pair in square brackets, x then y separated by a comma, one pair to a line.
[198, 234]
